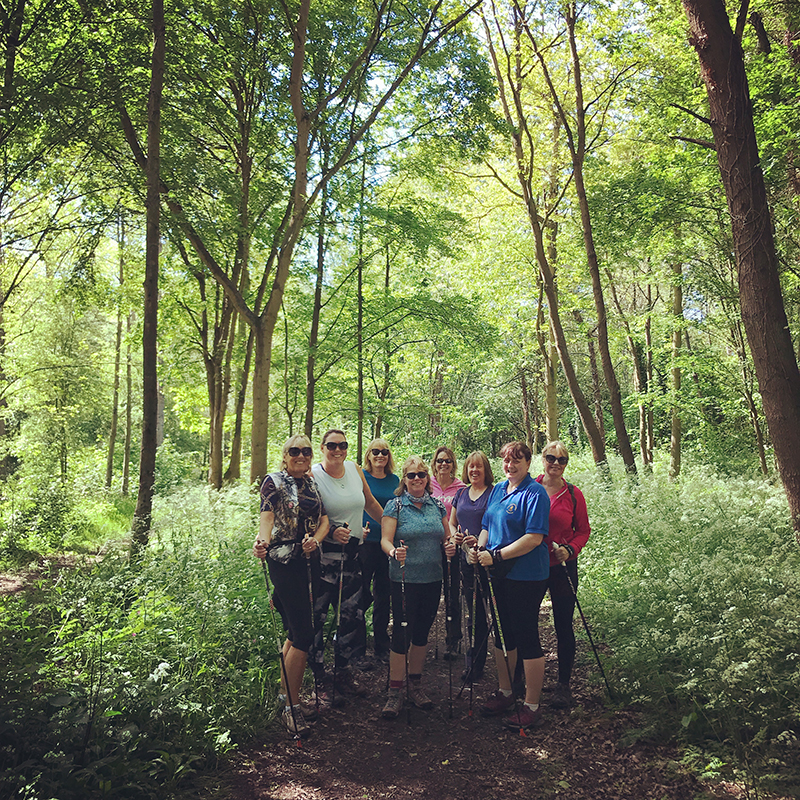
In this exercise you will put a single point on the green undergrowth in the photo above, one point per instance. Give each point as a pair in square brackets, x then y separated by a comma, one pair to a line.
[694, 586]
[123, 682]
[126, 682]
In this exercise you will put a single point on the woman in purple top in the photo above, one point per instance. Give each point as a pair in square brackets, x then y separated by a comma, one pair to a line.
[444, 486]
[466, 517]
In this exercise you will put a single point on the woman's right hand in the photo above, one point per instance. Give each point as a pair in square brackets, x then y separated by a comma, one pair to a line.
[341, 535]
[472, 553]
[260, 549]
[400, 554]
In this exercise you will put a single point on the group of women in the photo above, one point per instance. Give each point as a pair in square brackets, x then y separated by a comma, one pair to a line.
[391, 541]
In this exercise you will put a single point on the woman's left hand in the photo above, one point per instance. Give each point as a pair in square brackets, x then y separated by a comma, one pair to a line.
[449, 548]
[485, 558]
[341, 535]
[310, 544]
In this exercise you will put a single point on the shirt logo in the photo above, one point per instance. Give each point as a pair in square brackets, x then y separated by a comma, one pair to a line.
[511, 508]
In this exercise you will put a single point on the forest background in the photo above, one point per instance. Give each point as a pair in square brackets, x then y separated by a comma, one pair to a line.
[441, 223]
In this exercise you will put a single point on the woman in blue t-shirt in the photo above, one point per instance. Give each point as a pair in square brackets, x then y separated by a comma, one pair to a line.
[515, 528]
[413, 532]
[379, 472]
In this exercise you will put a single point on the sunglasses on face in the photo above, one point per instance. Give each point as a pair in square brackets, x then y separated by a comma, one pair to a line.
[444, 460]
[333, 445]
[377, 452]
[296, 451]
[551, 459]
[411, 475]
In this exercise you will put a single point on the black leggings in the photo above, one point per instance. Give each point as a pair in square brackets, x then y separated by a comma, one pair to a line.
[518, 603]
[421, 605]
[292, 601]
[562, 598]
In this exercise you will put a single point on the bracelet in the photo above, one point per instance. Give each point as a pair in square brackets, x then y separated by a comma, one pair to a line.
[570, 549]
[497, 556]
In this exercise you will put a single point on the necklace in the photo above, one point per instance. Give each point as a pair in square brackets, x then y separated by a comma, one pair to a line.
[341, 479]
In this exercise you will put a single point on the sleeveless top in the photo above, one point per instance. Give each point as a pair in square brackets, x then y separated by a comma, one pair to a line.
[343, 498]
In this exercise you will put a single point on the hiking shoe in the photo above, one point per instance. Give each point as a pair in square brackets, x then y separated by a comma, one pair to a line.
[497, 703]
[394, 702]
[418, 697]
[294, 723]
[347, 684]
[523, 718]
[561, 696]
[382, 656]
[452, 652]
[308, 708]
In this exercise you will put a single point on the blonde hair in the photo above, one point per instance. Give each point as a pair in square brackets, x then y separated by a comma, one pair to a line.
[478, 455]
[382, 443]
[298, 440]
[413, 464]
[557, 446]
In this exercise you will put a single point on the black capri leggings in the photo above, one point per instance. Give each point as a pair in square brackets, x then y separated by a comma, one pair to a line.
[562, 598]
[292, 601]
[518, 603]
[422, 603]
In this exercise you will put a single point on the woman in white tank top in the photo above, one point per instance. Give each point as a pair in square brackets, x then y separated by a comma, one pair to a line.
[345, 494]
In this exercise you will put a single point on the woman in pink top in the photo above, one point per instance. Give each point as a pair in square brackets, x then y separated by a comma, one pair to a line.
[445, 486]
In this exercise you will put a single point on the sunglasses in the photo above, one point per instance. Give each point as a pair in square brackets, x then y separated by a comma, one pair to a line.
[444, 460]
[412, 475]
[377, 452]
[333, 445]
[296, 451]
[551, 459]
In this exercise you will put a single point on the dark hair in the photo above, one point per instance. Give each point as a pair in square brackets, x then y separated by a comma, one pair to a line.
[516, 450]
[449, 453]
[332, 430]
[478, 455]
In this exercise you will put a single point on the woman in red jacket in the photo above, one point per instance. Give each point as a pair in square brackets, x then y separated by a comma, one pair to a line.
[569, 532]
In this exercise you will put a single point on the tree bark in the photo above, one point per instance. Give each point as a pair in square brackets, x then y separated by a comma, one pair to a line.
[126, 456]
[112, 437]
[140, 532]
[763, 312]
[677, 338]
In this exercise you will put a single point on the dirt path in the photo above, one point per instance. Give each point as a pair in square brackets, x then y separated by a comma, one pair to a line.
[353, 754]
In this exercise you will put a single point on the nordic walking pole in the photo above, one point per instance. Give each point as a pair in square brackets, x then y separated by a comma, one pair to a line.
[338, 620]
[448, 631]
[311, 601]
[484, 641]
[471, 630]
[296, 736]
[404, 626]
[496, 622]
[572, 586]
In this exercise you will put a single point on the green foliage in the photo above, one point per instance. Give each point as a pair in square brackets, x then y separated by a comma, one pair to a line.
[695, 586]
[125, 682]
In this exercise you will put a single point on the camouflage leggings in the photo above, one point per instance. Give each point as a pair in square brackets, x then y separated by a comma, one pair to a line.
[350, 641]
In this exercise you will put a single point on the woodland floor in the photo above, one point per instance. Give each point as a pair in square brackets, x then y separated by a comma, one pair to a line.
[353, 754]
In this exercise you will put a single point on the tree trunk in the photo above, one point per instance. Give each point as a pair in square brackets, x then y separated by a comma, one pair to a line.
[677, 338]
[509, 79]
[126, 456]
[577, 148]
[140, 532]
[526, 410]
[112, 437]
[763, 312]
[234, 471]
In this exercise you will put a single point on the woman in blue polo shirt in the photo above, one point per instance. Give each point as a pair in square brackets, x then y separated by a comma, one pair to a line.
[514, 534]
